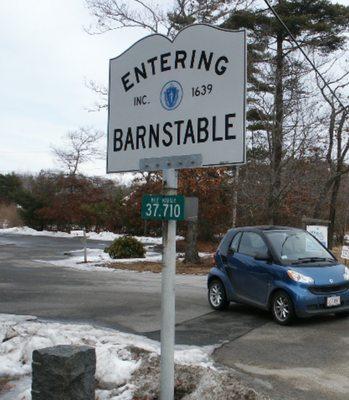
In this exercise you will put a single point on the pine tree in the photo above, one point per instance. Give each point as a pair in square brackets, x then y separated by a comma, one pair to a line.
[274, 65]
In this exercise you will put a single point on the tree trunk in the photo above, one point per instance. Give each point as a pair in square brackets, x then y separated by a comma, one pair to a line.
[191, 248]
[332, 213]
[277, 135]
[319, 205]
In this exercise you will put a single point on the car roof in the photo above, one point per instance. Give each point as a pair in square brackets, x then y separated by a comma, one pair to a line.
[225, 242]
[267, 228]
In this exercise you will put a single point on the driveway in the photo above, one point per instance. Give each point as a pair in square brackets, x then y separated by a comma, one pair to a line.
[309, 360]
[306, 361]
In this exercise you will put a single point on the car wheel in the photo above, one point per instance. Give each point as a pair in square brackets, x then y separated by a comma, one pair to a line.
[282, 308]
[217, 296]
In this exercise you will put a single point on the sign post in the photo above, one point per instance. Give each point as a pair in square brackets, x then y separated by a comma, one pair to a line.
[168, 311]
[176, 104]
[83, 237]
[85, 246]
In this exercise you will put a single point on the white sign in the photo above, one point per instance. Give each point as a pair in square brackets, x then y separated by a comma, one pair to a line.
[185, 97]
[320, 232]
[77, 233]
[345, 252]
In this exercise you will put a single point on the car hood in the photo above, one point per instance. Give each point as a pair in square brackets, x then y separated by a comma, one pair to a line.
[324, 275]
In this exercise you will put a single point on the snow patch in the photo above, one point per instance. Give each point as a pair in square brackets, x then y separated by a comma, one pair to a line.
[97, 257]
[115, 361]
[104, 236]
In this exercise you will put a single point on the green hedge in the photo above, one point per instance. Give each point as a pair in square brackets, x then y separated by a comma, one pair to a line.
[126, 247]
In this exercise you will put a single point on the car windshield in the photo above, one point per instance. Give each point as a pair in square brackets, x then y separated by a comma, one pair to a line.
[297, 247]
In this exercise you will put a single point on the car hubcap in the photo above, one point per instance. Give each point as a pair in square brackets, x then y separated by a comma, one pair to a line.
[282, 308]
[216, 295]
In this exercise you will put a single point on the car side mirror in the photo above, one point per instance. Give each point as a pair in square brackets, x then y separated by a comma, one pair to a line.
[262, 257]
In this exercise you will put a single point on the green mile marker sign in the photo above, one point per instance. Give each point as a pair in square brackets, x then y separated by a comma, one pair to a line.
[158, 207]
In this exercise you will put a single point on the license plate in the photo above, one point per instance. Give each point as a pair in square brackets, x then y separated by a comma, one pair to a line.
[333, 301]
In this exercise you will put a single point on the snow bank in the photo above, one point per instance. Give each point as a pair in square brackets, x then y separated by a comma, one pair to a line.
[116, 360]
[97, 257]
[25, 230]
[105, 236]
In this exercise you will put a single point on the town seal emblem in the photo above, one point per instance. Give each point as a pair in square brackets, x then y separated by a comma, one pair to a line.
[171, 95]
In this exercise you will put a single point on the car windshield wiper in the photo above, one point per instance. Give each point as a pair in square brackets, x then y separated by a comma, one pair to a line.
[312, 259]
[284, 242]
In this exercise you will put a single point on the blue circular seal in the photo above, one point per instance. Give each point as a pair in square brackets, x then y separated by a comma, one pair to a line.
[171, 95]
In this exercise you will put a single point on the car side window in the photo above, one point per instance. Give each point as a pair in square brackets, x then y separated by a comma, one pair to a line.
[252, 244]
[235, 242]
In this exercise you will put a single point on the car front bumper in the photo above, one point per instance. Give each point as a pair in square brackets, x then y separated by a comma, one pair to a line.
[308, 304]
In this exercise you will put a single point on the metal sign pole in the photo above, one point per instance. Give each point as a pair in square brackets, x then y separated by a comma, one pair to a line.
[85, 246]
[170, 180]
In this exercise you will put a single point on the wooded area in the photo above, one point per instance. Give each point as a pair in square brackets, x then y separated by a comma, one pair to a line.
[59, 201]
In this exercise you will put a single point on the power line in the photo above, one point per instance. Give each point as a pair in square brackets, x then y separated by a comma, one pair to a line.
[277, 16]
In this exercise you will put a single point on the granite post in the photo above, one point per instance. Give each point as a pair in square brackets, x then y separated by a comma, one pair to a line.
[64, 373]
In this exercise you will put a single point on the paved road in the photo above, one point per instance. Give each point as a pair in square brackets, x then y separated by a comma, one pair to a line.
[306, 361]
[118, 299]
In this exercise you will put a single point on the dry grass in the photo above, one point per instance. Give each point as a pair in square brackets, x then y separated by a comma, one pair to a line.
[181, 268]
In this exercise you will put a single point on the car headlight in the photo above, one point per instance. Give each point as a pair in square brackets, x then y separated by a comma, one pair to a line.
[297, 277]
[346, 273]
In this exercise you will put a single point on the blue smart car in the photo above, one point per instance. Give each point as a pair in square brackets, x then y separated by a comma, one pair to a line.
[284, 270]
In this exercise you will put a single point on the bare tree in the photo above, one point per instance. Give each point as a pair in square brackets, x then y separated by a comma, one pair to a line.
[81, 147]
[337, 145]
[146, 14]
[102, 95]
[116, 14]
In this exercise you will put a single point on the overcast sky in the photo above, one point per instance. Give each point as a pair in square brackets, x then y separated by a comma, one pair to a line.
[46, 56]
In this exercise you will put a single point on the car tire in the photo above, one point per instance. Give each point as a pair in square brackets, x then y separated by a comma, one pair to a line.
[282, 308]
[217, 296]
